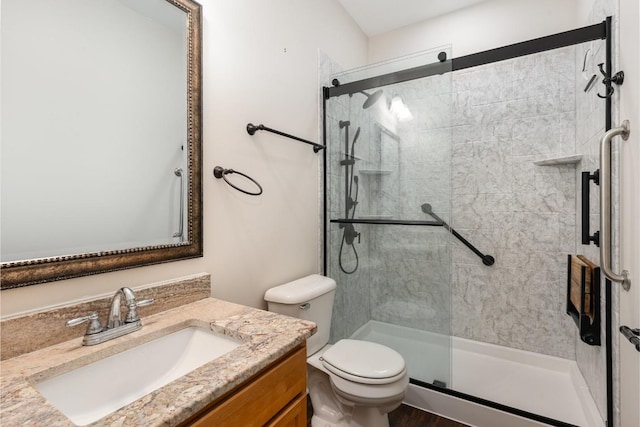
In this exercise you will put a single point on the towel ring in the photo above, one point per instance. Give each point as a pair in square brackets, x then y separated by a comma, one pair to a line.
[220, 172]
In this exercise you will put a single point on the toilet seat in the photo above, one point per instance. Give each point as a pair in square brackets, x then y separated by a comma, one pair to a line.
[364, 362]
[369, 394]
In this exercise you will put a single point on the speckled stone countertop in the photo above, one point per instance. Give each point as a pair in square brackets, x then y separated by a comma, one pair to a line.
[267, 336]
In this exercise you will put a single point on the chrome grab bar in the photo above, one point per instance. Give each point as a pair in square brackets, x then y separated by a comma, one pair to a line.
[180, 232]
[605, 204]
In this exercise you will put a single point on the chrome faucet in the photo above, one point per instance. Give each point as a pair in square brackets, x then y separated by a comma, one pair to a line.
[115, 326]
[114, 320]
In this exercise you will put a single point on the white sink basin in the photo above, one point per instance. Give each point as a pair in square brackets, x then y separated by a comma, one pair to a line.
[89, 393]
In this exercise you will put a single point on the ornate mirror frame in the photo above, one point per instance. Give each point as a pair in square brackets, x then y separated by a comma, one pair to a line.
[30, 272]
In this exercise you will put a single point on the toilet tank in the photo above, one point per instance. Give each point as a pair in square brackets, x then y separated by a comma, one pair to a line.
[308, 298]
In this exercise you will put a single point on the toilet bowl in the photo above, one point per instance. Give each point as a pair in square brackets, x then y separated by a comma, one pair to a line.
[367, 381]
[351, 383]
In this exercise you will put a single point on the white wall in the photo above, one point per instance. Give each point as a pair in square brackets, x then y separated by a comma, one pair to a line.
[259, 66]
[630, 205]
[483, 26]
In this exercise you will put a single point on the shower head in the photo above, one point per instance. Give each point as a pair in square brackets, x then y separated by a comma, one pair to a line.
[356, 137]
[371, 98]
[426, 208]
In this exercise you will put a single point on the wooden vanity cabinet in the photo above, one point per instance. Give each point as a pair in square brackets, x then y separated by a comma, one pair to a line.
[275, 397]
[294, 415]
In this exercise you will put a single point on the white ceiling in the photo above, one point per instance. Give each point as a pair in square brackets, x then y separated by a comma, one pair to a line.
[379, 16]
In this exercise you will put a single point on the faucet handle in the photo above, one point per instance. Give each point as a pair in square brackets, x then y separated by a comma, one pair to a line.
[94, 324]
[132, 316]
[144, 302]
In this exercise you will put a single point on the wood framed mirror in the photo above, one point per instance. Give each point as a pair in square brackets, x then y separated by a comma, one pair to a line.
[101, 137]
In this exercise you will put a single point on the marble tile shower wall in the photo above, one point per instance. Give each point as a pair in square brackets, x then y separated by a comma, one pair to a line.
[470, 153]
[506, 116]
[411, 276]
[411, 265]
[351, 305]
[393, 283]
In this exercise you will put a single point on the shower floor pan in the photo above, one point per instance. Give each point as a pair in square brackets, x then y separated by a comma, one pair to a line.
[544, 385]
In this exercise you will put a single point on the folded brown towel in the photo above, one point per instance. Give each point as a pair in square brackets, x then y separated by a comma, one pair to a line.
[578, 263]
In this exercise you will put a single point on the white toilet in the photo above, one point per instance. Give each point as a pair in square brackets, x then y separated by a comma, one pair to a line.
[351, 383]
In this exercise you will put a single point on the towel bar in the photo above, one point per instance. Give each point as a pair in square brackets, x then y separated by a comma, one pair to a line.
[251, 130]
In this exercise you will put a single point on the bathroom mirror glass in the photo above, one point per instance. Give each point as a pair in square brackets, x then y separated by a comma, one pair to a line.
[101, 136]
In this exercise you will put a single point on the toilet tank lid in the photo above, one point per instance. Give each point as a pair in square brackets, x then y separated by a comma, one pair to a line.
[301, 290]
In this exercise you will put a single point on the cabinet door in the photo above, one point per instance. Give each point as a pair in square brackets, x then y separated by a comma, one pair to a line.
[263, 399]
[295, 415]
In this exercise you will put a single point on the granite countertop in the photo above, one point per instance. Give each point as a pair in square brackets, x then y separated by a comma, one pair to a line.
[267, 336]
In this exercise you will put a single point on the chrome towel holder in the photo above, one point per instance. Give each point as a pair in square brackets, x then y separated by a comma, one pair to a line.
[220, 172]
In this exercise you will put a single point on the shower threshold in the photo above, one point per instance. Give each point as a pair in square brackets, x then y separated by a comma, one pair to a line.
[486, 378]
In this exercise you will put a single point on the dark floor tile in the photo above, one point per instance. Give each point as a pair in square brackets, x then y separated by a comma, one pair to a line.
[407, 416]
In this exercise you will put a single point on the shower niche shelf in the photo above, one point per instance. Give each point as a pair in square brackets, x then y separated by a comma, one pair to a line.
[559, 161]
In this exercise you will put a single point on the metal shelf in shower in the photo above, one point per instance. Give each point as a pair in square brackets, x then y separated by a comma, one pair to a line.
[374, 172]
[385, 222]
[487, 260]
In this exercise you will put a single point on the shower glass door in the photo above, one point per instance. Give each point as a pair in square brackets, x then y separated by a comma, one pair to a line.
[388, 171]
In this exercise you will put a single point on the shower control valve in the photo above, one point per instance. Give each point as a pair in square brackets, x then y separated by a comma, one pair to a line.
[351, 203]
[350, 234]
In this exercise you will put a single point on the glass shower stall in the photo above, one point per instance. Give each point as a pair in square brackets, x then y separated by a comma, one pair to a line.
[451, 204]
[388, 162]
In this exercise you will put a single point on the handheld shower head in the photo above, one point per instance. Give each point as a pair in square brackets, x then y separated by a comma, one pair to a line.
[356, 136]
[353, 143]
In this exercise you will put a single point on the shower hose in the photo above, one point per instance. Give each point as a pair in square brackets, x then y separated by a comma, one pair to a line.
[353, 214]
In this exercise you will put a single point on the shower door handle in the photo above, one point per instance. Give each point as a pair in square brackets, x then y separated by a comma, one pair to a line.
[587, 237]
[180, 232]
[605, 205]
